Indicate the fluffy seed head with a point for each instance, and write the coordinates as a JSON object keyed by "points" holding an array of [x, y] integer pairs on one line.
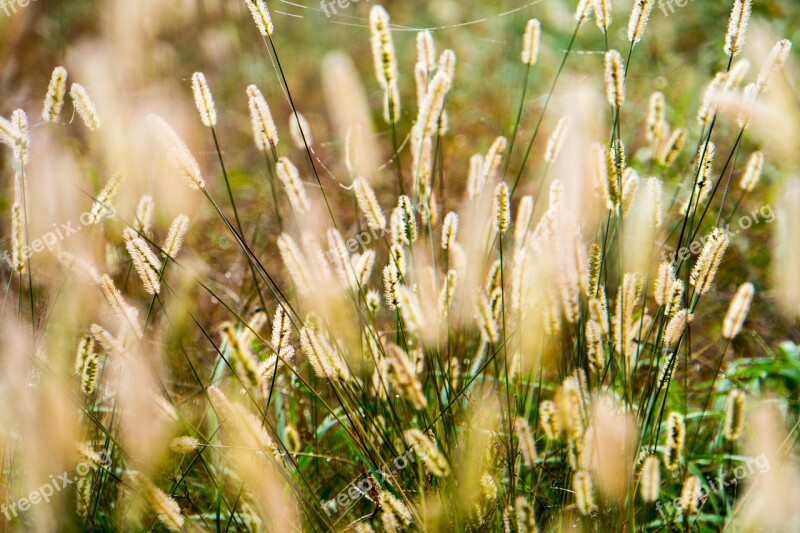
{"points": [[707, 264], [672, 149], [602, 14], [144, 260], [502, 208], [663, 285], [204, 100], [184, 445], [650, 480], [174, 240], [691, 494], [179, 155], [584, 492], [527, 446], [737, 311], [265, 133], [549, 419], [675, 328], [639, 17], [774, 63], [449, 230], [369, 205], [615, 78], [734, 415], [54, 100], [258, 9], [84, 106], [385, 61], [530, 42], [737, 27], [295, 190], [676, 437], [752, 173]]}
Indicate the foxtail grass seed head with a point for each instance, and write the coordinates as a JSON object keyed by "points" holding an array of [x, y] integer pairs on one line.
{"points": [[427, 450], [583, 10], [655, 195], [595, 262], [630, 184], [243, 358], [322, 357], [662, 290], [493, 159], [737, 311], [265, 133], [595, 346], [383, 54], [676, 298], [752, 173], [179, 155], [707, 264], [711, 99], [281, 329], [446, 293], [615, 78], [426, 51], [656, 121], [523, 513], [174, 240], [126, 314], [56, 91], [432, 106], [449, 230], [675, 328], [410, 309], [650, 480], [736, 75], [166, 508], [84, 106], [404, 377], [475, 180], [737, 27], [734, 415], [397, 257], [258, 9], [184, 445], [584, 492], [774, 63], [527, 446], [672, 149], [144, 260], [300, 131], [143, 222], [391, 282], [502, 208], [204, 100], [295, 263], [103, 204], [18, 237], [408, 219], [549, 419], [89, 371], [691, 494], [530, 42], [486, 319], [639, 17], [369, 205], [295, 190], [602, 14], [676, 437], [556, 140]]}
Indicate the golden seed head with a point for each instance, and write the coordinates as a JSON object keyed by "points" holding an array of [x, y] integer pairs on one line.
{"points": [[54, 100], [449, 230], [650, 479], [737, 27], [530, 42], [676, 437], [774, 63], [639, 17], [602, 14], [369, 205], [84, 106], [707, 264], [549, 419], [385, 61], [752, 173], [734, 415], [258, 9], [184, 445], [737, 311], [295, 190], [502, 208], [691, 494], [615, 78], [265, 133], [204, 100], [174, 240], [584, 492]]}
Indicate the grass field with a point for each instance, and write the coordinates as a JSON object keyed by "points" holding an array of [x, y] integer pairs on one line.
{"points": [[426, 266]]}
